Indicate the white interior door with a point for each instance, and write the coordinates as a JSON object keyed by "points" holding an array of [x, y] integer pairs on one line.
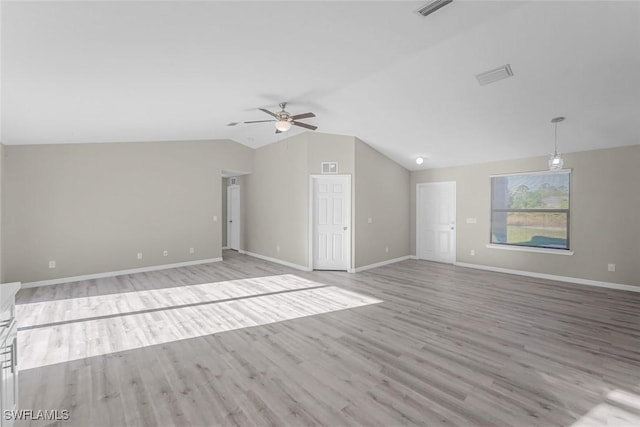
{"points": [[331, 222], [233, 217], [436, 221]]}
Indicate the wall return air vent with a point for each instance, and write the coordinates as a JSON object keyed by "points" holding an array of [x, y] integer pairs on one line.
{"points": [[329, 167], [494, 75], [432, 6]]}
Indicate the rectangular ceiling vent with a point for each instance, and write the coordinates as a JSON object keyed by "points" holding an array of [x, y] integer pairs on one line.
{"points": [[494, 75], [431, 7]]}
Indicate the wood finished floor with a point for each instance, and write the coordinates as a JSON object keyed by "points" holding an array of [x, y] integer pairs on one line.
{"points": [[447, 346]]}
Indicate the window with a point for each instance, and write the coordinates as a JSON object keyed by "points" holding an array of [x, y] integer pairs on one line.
{"points": [[531, 209]]}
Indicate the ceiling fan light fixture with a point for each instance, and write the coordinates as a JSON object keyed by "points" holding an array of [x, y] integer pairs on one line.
{"points": [[283, 125], [556, 162], [420, 160]]}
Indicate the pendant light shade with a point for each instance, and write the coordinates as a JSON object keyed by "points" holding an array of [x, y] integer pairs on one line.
{"points": [[555, 160]]}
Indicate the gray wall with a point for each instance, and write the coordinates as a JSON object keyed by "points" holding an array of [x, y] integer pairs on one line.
{"points": [[382, 194], [278, 198], [277, 192], [92, 207], [275, 201], [605, 202]]}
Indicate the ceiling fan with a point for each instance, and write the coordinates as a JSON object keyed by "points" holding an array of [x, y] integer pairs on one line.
{"points": [[285, 120]]}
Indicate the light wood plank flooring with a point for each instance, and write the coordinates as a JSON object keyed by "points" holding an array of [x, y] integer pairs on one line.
{"points": [[60, 331], [446, 346]]}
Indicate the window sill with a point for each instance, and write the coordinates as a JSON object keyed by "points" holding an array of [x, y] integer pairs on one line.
{"points": [[529, 249]]}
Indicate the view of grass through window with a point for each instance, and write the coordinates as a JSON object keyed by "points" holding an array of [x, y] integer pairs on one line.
{"points": [[531, 209]]}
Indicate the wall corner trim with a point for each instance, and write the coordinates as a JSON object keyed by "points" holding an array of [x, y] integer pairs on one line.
{"points": [[379, 264], [116, 273], [275, 260], [576, 280]]}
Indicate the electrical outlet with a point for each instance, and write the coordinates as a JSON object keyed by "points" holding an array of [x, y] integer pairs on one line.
{"points": [[165, 253], [52, 264], [386, 249], [192, 250], [278, 248], [139, 255], [215, 218], [369, 220], [611, 267], [472, 252]]}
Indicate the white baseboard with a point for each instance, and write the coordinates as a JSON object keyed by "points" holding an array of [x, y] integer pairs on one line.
{"points": [[116, 273], [225, 247], [275, 260], [577, 280], [379, 264]]}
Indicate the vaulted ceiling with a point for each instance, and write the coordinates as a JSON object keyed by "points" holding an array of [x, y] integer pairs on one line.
{"points": [[77, 72]]}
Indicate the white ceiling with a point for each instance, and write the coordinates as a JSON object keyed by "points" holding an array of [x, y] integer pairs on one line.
{"points": [[145, 71]]}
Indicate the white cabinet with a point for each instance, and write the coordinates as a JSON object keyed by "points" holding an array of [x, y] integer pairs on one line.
{"points": [[8, 354], [8, 360]]}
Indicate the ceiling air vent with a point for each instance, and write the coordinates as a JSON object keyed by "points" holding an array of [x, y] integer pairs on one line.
{"points": [[494, 75], [431, 7]]}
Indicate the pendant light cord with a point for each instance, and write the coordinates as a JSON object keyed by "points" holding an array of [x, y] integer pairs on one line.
{"points": [[555, 144]]}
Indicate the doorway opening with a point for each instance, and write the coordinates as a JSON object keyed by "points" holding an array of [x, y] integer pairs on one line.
{"points": [[231, 221]]}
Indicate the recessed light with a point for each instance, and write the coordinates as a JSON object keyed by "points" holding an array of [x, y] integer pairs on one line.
{"points": [[420, 160]]}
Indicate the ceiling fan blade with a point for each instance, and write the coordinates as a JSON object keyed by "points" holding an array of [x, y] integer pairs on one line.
{"points": [[278, 131], [269, 112], [304, 125], [260, 121], [302, 116]]}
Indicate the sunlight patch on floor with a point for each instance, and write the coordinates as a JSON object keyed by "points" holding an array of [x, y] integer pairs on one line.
{"points": [[86, 337], [46, 312], [621, 409]]}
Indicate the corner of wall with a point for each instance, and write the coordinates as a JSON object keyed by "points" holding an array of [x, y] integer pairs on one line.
{"points": [[600, 233], [381, 207]]}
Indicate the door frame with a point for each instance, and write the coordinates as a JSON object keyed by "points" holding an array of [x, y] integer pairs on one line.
{"points": [[229, 189], [311, 207], [455, 198]]}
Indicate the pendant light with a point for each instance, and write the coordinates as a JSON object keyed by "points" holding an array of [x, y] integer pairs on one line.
{"points": [[555, 160]]}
